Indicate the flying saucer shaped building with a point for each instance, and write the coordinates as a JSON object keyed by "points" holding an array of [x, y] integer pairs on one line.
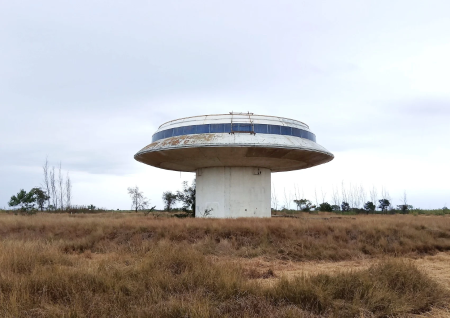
{"points": [[233, 156]]}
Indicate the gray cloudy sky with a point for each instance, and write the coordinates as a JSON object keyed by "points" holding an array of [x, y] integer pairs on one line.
{"points": [[88, 82]]}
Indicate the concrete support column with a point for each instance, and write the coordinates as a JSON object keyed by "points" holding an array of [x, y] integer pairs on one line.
{"points": [[233, 192]]}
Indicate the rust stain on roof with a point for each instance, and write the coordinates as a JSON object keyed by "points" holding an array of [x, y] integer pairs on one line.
{"points": [[180, 140]]}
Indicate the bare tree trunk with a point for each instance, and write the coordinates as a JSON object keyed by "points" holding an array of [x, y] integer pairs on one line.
{"points": [[373, 195], [356, 197], [350, 196], [344, 193], [335, 196], [315, 196], [296, 194], [362, 194], [287, 200], [324, 195], [53, 188], [136, 198], [61, 188], [385, 195], [46, 180], [68, 191], [274, 198]]}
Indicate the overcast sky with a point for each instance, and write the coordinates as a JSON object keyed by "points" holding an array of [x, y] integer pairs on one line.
{"points": [[87, 83]]}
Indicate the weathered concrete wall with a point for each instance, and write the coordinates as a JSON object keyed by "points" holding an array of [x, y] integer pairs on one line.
{"points": [[233, 192]]}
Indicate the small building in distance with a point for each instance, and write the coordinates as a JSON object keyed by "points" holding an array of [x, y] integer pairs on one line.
{"points": [[233, 156]]}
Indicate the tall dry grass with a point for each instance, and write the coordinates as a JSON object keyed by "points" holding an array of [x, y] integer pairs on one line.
{"points": [[116, 265], [172, 279], [288, 239]]}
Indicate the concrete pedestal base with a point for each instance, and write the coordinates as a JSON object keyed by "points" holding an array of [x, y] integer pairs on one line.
{"points": [[233, 192]]}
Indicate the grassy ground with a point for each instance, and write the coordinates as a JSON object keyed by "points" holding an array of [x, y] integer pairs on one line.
{"points": [[129, 265]]}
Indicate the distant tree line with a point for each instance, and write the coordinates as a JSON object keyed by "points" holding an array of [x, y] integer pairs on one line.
{"points": [[351, 199], [186, 197], [54, 194]]}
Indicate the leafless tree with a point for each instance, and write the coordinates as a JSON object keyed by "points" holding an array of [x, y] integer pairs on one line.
{"points": [[68, 191], [58, 188], [315, 196], [287, 200], [53, 187], [138, 200], [324, 195], [362, 195], [344, 193], [296, 192], [335, 196], [351, 196], [385, 195], [373, 193], [298, 195], [274, 198], [61, 188], [359, 196], [46, 180]]}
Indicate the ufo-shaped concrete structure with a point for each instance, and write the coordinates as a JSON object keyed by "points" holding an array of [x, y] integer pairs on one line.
{"points": [[233, 156]]}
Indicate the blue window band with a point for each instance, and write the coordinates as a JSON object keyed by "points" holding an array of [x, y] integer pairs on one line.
{"points": [[237, 128]]}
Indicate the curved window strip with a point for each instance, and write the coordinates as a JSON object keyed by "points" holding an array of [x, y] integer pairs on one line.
{"points": [[234, 128]]}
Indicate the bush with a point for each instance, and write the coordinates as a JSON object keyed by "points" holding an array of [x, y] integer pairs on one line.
{"points": [[325, 207], [385, 289]]}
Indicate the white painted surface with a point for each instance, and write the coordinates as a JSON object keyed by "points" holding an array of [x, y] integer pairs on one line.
{"points": [[228, 184], [228, 118], [274, 152], [233, 192]]}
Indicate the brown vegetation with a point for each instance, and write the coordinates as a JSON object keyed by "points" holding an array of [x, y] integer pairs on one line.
{"points": [[114, 265], [317, 238]]}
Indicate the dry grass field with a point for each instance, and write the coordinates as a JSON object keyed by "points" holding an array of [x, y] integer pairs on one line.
{"points": [[131, 265]]}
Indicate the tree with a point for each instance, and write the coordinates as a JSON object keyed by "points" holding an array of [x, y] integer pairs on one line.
{"points": [[303, 205], [335, 207], [68, 191], [40, 197], [384, 204], [345, 207], [404, 208], [187, 197], [325, 207], [274, 201], [53, 188], [169, 199], [46, 181], [369, 207], [138, 200], [61, 188], [24, 199], [58, 188]]}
